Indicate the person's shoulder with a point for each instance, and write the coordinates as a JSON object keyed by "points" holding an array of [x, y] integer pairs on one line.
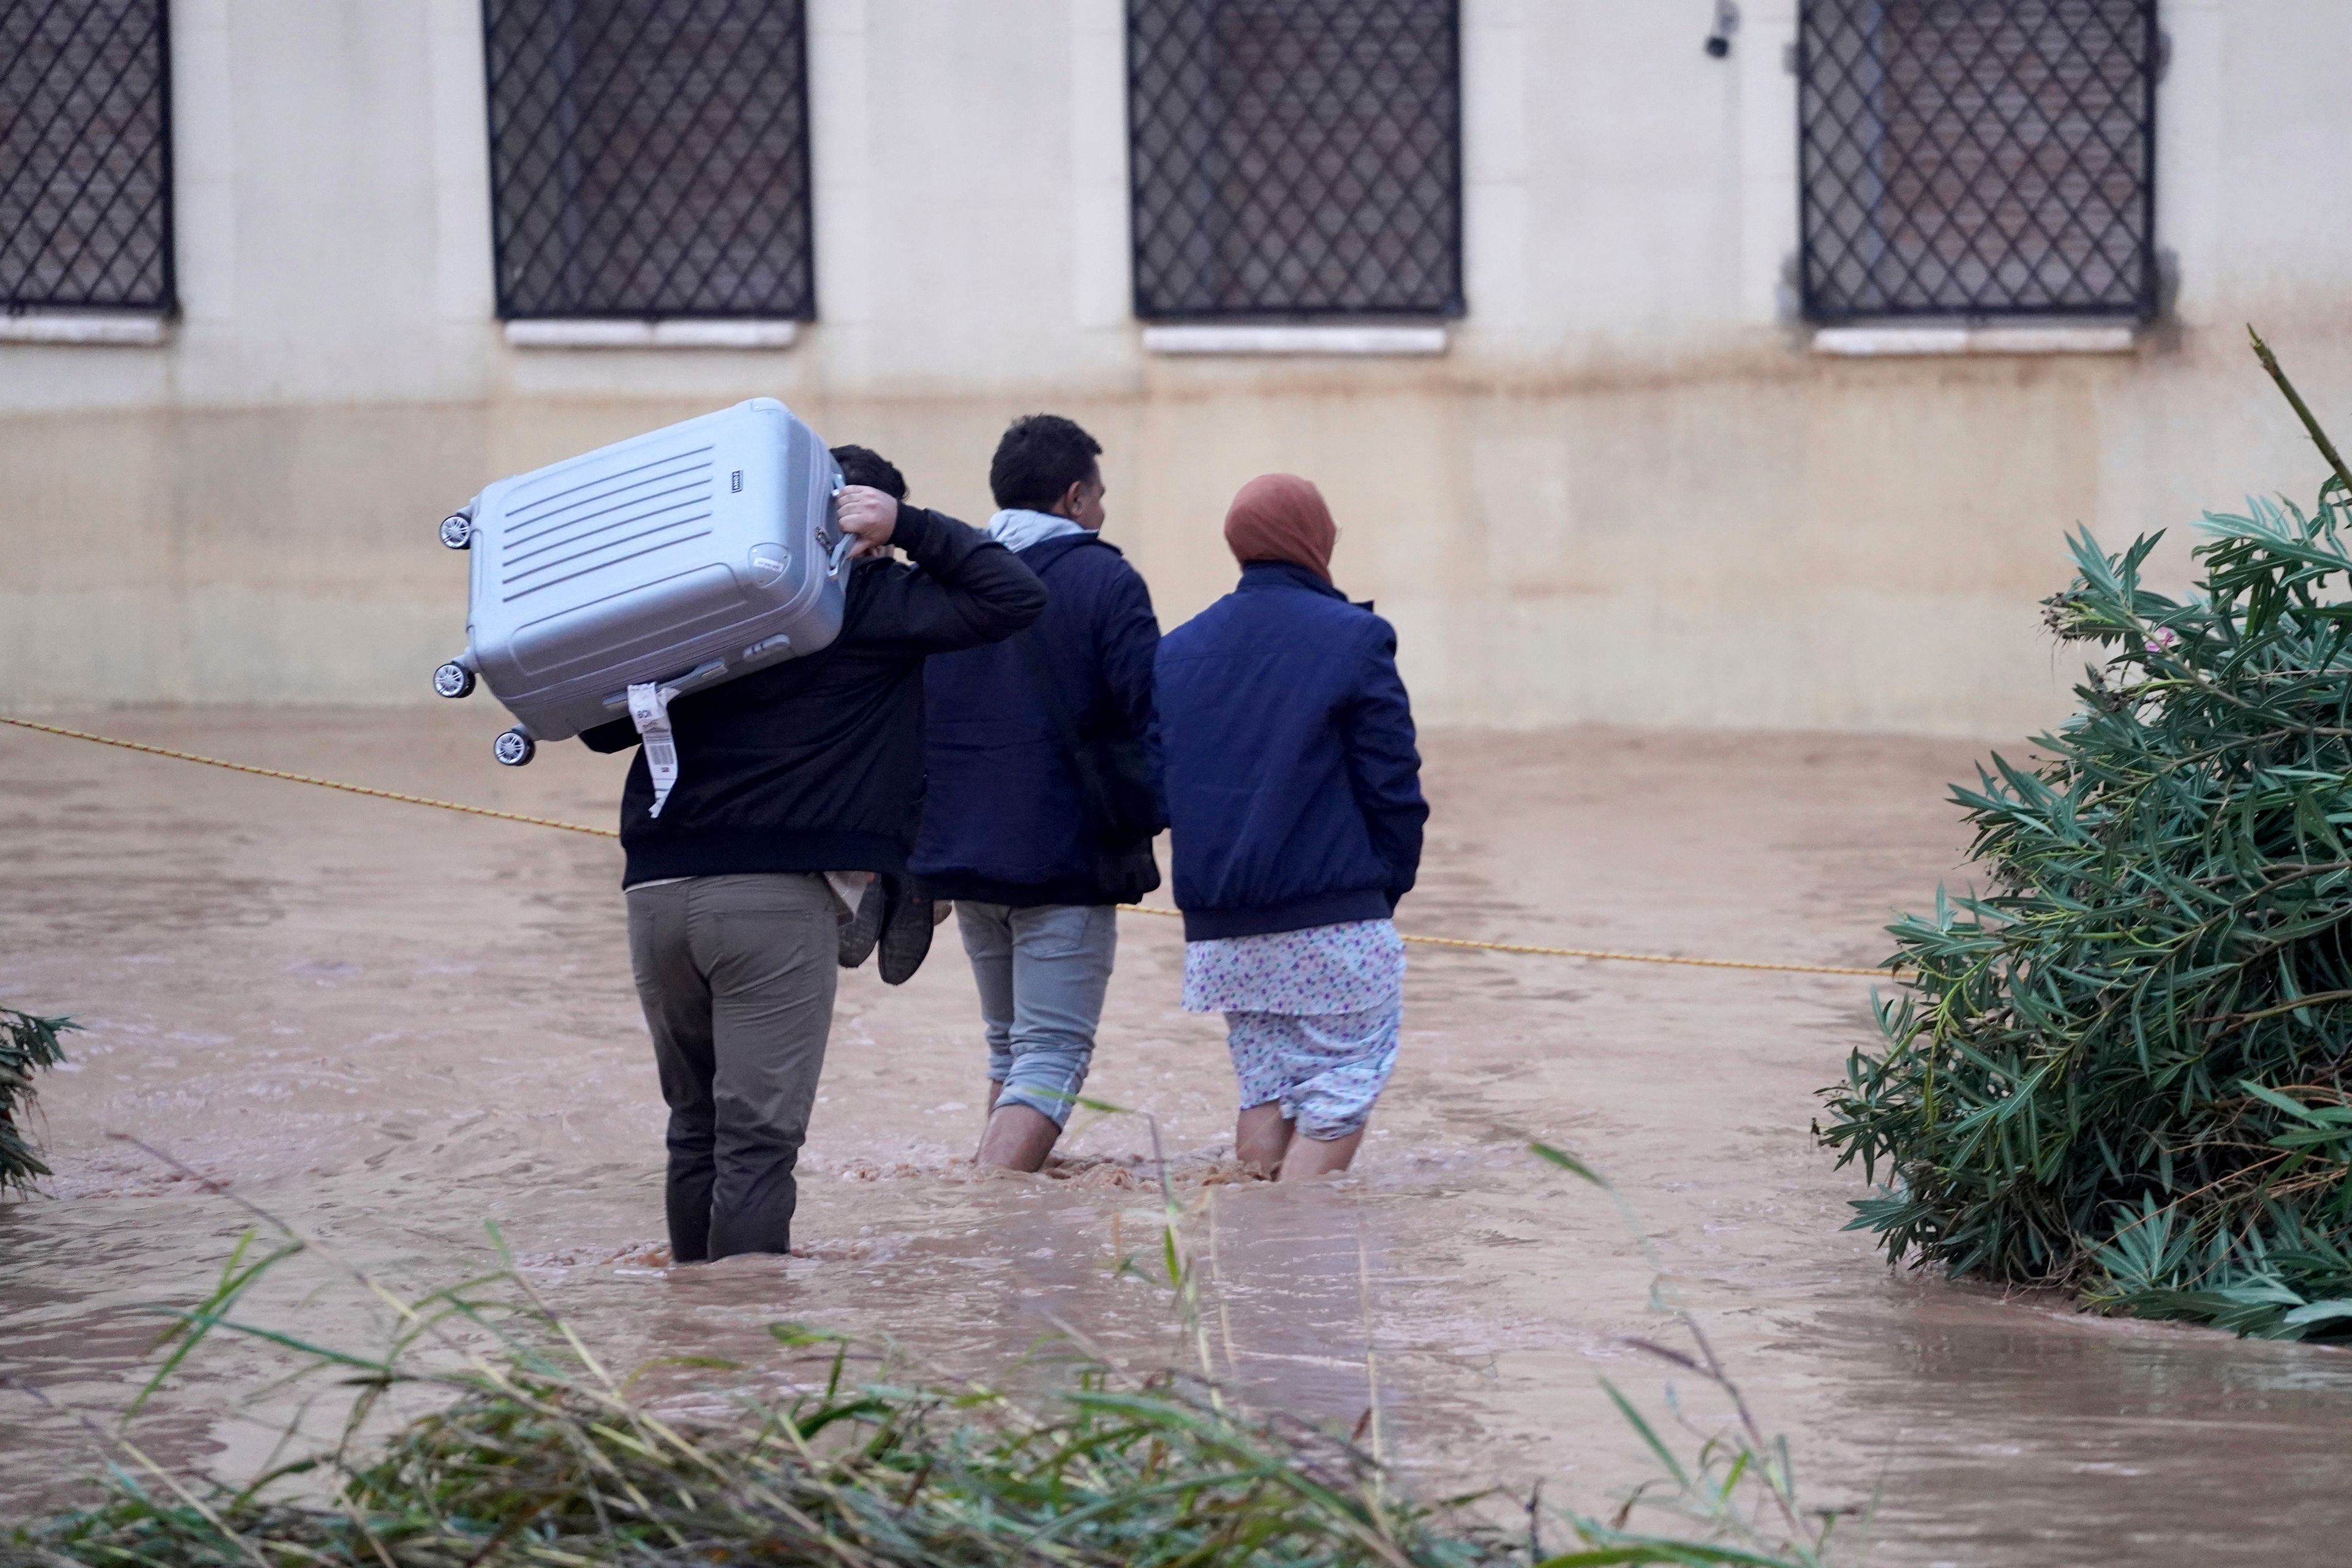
{"points": [[877, 572], [1334, 625], [1096, 557], [1369, 623], [1119, 581], [1364, 640], [1086, 579], [1191, 635], [1330, 609], [870, 580]]}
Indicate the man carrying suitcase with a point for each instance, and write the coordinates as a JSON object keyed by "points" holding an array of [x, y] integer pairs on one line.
{"points": [[1044, 795], [811, 766]]}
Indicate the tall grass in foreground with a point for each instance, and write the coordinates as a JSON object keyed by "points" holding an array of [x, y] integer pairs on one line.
{"points": [[839, 1456], [2127, 1069], [28, 1044]]}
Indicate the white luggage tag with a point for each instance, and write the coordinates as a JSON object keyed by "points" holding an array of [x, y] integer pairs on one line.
{"points": [[649, 708]]}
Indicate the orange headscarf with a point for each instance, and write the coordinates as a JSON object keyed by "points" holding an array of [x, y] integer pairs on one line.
{"points": [[1281, 517]]}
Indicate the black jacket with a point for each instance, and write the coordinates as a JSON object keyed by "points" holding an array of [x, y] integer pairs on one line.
{"points": [[1006, 822], [817, 764]]}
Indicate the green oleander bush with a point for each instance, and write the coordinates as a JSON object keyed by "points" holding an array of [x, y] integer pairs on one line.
{"points": [[28, 1044], [2122, 1066]]}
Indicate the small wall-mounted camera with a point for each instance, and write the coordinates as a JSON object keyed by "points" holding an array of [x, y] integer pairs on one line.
{"points": [[1726, 22]]}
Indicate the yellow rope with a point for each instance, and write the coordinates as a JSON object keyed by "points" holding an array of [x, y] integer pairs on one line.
{"points": [[305, 778], [1593, 952], [1590, 953]]}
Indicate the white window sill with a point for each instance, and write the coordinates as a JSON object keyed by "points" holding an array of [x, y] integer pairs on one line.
{"points": [[97, 329], [1294, 339], [1896, 342], [597, 333]]}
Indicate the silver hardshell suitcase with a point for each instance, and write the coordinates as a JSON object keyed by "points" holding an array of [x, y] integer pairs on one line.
{"points": [[663, 563]]}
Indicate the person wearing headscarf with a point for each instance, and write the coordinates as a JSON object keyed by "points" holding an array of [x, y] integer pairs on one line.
{"points": [[1296, 813]]}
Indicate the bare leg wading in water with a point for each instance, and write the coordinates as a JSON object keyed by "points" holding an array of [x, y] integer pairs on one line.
{"points": [[1308, 1083], [1042, 976], [1270, 1147]]}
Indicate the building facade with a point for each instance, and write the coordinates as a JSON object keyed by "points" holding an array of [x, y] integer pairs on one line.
{"points": [[1665, 362]]}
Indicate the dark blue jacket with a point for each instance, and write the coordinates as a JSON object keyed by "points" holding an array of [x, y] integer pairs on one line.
{"points": [[1003, 818], [1293, 790]]}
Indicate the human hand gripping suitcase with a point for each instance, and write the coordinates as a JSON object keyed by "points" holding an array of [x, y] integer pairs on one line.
{"points": [[607, 584]]}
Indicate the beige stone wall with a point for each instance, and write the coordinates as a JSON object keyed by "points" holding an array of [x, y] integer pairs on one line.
{"points": [[1627, 492]]}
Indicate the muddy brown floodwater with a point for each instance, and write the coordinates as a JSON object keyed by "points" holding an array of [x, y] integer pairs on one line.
{"points": [[390, 1026]]}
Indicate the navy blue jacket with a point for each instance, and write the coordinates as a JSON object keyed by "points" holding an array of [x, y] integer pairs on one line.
{"points": [[1003, 821], [1294, 789]]}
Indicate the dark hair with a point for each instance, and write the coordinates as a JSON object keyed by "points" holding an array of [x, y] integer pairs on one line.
{"points": [[1040, 456], [865, 466]]}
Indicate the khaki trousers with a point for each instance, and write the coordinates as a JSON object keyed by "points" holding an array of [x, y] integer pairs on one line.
{"points": [[736, 976]]}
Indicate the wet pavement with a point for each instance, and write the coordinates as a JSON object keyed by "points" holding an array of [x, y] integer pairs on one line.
{"points": [[393, 1026]]}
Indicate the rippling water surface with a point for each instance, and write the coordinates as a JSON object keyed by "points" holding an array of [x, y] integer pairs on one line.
{"points": [[390, 1026]]}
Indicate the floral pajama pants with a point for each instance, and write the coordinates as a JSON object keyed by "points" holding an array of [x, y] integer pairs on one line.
{"points": [[1326, 1069], [1311, 1017]]}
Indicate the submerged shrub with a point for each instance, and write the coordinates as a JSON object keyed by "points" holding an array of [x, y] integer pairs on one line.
{"points": [[2124, 1068], [540, 1470], [28, 1044], [536, 1458]]}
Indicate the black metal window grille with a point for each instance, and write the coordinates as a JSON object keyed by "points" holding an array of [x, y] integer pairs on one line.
{"points": [[85, 156], [1977, 157], [1295, 157], [650, 158]]}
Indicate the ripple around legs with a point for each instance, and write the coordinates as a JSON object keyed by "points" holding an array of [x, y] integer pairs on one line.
{"points": [[393, 1025]]}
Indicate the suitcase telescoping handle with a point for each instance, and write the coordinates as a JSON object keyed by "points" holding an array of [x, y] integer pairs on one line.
{"points": [[846, 543], [695, 679], [671, 686]]}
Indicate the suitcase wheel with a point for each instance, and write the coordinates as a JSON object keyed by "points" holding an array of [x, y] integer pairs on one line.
{"points": [[457, 531], [454, 679], [513, 747]]}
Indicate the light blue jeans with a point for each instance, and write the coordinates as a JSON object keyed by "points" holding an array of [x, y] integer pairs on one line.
{"points": [[1041, 974]]}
